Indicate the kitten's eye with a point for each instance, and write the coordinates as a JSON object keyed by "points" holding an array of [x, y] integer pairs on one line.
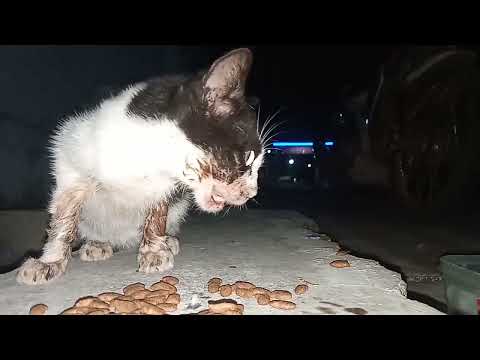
{"points": [[250, 156]]}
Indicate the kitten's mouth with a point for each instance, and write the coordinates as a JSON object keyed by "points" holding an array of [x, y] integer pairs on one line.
{"points": [[216, 203]]}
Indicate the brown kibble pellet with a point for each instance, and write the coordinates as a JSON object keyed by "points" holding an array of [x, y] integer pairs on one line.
{"points": [[225, 290], [262, 299], [99, 304], [148, 309], [215, 281], [301, 289], [122, 306], [244, 293], [157, 293], [156, 299], [281, 295], [340, 264], [140, 294], [162, 285], [99, 312], [244, 285], [39, 309], [259, 290], [85, 301], [173, 299], [213, 287], [77, 311], [168, 307], [221, 306], [232, 312], [283, 305], [172, 280], [108, 296], [130, 289]]}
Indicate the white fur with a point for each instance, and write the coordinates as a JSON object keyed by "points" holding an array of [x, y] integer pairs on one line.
{"points": [[135, 163]]}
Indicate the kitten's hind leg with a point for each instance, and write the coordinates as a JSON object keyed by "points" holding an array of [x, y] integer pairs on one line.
{"points": [[65, 209], [157, 249], [95, 251]]}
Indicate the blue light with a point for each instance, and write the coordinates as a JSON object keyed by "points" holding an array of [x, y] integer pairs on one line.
{"points": [[329, 143], [292, 144]]}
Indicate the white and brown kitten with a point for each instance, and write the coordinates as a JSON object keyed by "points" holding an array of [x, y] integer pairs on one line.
{"points": [[126, 172]]}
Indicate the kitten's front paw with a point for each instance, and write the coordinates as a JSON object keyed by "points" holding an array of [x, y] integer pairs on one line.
{"points": [[95, 251], [157, 255], [173, 244], [36, 272], [158, 261]]}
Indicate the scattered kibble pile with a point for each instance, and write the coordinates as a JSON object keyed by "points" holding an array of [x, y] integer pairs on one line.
{"points": [[278, 299], [162, 298]]}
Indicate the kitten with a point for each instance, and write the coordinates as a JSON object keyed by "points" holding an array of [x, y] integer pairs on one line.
{"points": [[127, 171]]}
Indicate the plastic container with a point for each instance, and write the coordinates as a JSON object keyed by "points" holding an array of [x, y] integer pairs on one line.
{"points": [[461, 275]]}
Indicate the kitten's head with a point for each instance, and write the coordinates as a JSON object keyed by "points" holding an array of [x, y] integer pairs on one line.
{"points": [[223, 126]]}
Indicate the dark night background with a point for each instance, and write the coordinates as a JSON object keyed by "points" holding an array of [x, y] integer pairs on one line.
{"points": [[45, 83]]}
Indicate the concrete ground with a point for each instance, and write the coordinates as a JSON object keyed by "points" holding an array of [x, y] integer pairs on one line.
{"points": [[369, 221], [272, 248]]}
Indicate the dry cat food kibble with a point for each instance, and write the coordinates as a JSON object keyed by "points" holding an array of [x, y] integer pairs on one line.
{"points": [[77, 311], [122, 306], [244, 285], [281, 295], [162, 285], [244, 293], [226, 290], [301, 289], [172, 280], [222, 306], [213, 288], [340, 264], [259, 290], [99, 312], [215, 281], [168, 307], [141, 294], [283, 305], [108, 296], [130, 289], [173, 299], [148, 309], [39, 309], [262, 299]]}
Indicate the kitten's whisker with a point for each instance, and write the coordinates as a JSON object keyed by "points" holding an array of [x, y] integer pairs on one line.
{"points": [[253, 199], [269, 119], [258, 118], [271, 137], [271, 129]]}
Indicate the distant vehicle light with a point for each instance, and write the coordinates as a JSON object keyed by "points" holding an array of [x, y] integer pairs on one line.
{"points": [[269, 151], [309, 165], [292, 144], [366, 121], [291, 161], [329, 143]]}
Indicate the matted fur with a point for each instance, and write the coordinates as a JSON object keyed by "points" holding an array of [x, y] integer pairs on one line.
{"points": [[161, 144]]}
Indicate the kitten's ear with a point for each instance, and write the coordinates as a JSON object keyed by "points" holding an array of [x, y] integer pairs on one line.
{"points": [[224, 84]]}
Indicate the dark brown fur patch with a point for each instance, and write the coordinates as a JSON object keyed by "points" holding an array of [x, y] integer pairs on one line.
{"points": [[155, 223]]}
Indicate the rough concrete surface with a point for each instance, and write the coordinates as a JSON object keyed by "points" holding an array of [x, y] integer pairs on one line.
{"points": [[272, 249]]}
